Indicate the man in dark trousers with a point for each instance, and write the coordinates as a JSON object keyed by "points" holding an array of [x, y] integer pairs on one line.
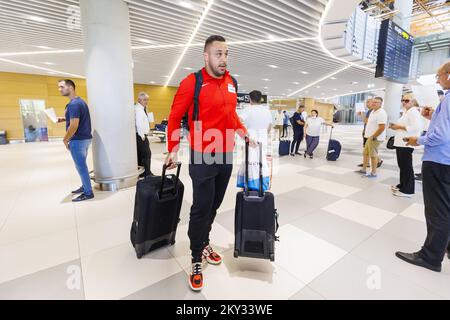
{"points": [[78, 137], [298, 125], [436, 181], [211, 141], [144, 153]]}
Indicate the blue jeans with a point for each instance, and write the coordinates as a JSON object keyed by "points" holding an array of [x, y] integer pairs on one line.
{"points": [[79, 151]]}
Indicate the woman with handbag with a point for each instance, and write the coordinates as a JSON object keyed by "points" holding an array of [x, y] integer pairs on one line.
{"points": [[409, 125]]}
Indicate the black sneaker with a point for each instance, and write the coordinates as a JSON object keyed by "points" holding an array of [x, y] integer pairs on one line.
{"points": [[83, 197], [78, 191], [361, 165]]}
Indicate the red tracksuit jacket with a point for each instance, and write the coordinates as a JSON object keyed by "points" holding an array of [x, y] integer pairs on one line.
{"points": [[217, 114]]}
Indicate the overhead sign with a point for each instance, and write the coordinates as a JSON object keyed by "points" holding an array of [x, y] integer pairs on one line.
{"points": [[394, 53], [245, 98]]}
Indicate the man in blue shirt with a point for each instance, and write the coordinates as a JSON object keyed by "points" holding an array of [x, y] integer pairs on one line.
{"points": [[78, 136], [436, 181], [285, 124], [298, 124]]}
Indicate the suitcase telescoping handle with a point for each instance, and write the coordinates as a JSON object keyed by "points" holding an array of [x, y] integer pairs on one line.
{"points": [[247, 193], [163, 178]]}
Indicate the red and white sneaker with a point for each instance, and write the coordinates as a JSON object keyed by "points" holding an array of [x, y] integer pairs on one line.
{"points": [[196, 277], [211, 256]]}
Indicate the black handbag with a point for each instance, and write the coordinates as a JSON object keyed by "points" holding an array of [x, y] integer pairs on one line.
{"points": [[390, 143]]}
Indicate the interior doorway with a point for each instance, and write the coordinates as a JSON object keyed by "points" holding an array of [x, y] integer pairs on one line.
{"points": [[34, 120]]}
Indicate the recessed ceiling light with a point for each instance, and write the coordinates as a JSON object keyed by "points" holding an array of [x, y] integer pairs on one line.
{"points": [[318, 87], [49, 63], [333, 78], [271, 37], [165, 76], [267, 80], [266, 87], [296, 83], [152, 82], [43, 47], [145, 41], [272, 66], [37, 19], [236, 75], [188, 68], [371, 85], [354, 82], [304, 72], [334, 89], [185, 4]]}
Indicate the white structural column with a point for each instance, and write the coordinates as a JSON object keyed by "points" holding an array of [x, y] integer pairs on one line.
{"points": [[108, 63], [392, 103]]}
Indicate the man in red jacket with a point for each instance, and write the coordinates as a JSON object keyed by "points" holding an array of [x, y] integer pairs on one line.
{"points": [[211, 141]]}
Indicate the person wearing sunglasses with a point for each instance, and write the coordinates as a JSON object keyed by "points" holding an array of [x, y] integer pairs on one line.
{"points": [[408, 125], [436, 181]]}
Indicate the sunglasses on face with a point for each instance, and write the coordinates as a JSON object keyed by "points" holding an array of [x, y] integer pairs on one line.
{"points": [[406, 101]]}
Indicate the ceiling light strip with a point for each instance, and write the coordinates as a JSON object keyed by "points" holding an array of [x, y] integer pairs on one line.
{"points": [[30, 53], [193, 35], [319, 80], [352, 93], [163, 46], [41, 68]]}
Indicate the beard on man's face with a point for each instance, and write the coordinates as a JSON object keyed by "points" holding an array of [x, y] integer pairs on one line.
{"points": [[219, 70]]}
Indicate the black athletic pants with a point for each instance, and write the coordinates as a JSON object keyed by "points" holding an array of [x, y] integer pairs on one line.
{"points": [[209, 184]]}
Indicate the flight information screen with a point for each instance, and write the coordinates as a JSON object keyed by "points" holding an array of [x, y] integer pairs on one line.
{"points": [[394, 53]]}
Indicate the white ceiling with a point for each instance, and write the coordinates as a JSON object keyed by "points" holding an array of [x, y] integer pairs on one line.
{"points": [[165, 22]]}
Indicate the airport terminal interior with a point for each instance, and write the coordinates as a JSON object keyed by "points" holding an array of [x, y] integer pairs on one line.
{"points": [[339, 229]]}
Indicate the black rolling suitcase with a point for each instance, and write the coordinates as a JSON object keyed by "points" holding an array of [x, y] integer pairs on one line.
{"points": [[156, 212], [334, 149], [256, 220]]}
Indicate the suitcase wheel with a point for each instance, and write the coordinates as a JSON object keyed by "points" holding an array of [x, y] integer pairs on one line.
{"points": [[272, 257], [236, 254]]}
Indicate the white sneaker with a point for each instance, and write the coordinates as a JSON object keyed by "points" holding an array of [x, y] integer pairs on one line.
{"points": [[401, 194], [394, 188]]}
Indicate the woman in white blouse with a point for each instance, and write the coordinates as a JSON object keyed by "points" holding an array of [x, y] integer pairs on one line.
{"points": [[312, 128], [409, 125]]}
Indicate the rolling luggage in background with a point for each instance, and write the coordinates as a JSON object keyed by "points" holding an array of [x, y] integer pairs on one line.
{"points": [[334, 149], [284, 148], [256, 220], [156, 212]]}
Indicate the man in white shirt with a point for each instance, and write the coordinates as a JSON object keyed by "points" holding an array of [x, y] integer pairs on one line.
{"points": [[279, 117], [144, 153], [375, 134], [258, 119]]}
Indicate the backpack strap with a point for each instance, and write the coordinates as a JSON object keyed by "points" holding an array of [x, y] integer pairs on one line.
{"points": [[236, 86], [198, 88]]}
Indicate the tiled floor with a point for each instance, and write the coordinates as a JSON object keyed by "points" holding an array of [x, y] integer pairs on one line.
{"points": [[338, 235]]}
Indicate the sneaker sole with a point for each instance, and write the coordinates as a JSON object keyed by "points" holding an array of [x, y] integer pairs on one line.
{"points": [[195, 289], [402, 195]]}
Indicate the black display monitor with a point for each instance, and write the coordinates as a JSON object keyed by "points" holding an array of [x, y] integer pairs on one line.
{"points": [[394, 53]]}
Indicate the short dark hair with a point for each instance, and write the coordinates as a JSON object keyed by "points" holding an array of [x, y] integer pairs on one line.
{"points": [[212, 39], [256, 96], [378, 98], [301, 106], [440, 93], [314, 110], [69, 83]]}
